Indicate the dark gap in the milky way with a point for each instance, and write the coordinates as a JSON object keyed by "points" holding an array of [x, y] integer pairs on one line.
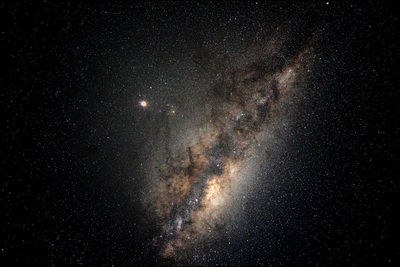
{"points": [[245, 124], [215, 167], [222, 147], [222, 91], [189, 169], [274, 63], [274, 92], [254, 72], [262, 111]]}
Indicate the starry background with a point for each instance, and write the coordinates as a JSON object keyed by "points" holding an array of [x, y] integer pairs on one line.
{"points": [[74, 141]]}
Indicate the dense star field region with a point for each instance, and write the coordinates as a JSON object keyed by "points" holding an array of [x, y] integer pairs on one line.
{"points": [[199, 133]]}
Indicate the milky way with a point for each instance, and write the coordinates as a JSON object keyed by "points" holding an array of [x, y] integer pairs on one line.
{"points": [[200, 133], [195, 183]]}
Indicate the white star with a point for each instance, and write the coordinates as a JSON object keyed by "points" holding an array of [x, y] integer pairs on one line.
{"points": [[143, 103]]}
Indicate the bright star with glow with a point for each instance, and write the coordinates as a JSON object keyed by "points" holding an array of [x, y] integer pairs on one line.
{"points": [[143, 103]]}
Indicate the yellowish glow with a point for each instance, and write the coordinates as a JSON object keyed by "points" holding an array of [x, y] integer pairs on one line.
{"points": [[143, 103]]}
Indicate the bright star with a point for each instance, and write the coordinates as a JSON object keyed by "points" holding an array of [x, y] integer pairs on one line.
{"points": [[143, 103]]}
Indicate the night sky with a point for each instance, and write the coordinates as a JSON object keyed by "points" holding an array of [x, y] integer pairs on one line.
{"points": [[211, 133]]}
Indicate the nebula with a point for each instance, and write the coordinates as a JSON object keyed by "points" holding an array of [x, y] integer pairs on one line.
{"points": [[195, 186]]}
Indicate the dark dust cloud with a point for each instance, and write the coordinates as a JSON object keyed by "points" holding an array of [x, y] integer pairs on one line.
{"points": [[186, 133]]}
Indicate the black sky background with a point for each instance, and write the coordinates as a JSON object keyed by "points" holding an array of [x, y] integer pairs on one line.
{"points": [[64, 197]]}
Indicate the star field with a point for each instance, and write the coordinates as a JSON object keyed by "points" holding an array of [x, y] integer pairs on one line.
{"points": [[199, 133]]}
